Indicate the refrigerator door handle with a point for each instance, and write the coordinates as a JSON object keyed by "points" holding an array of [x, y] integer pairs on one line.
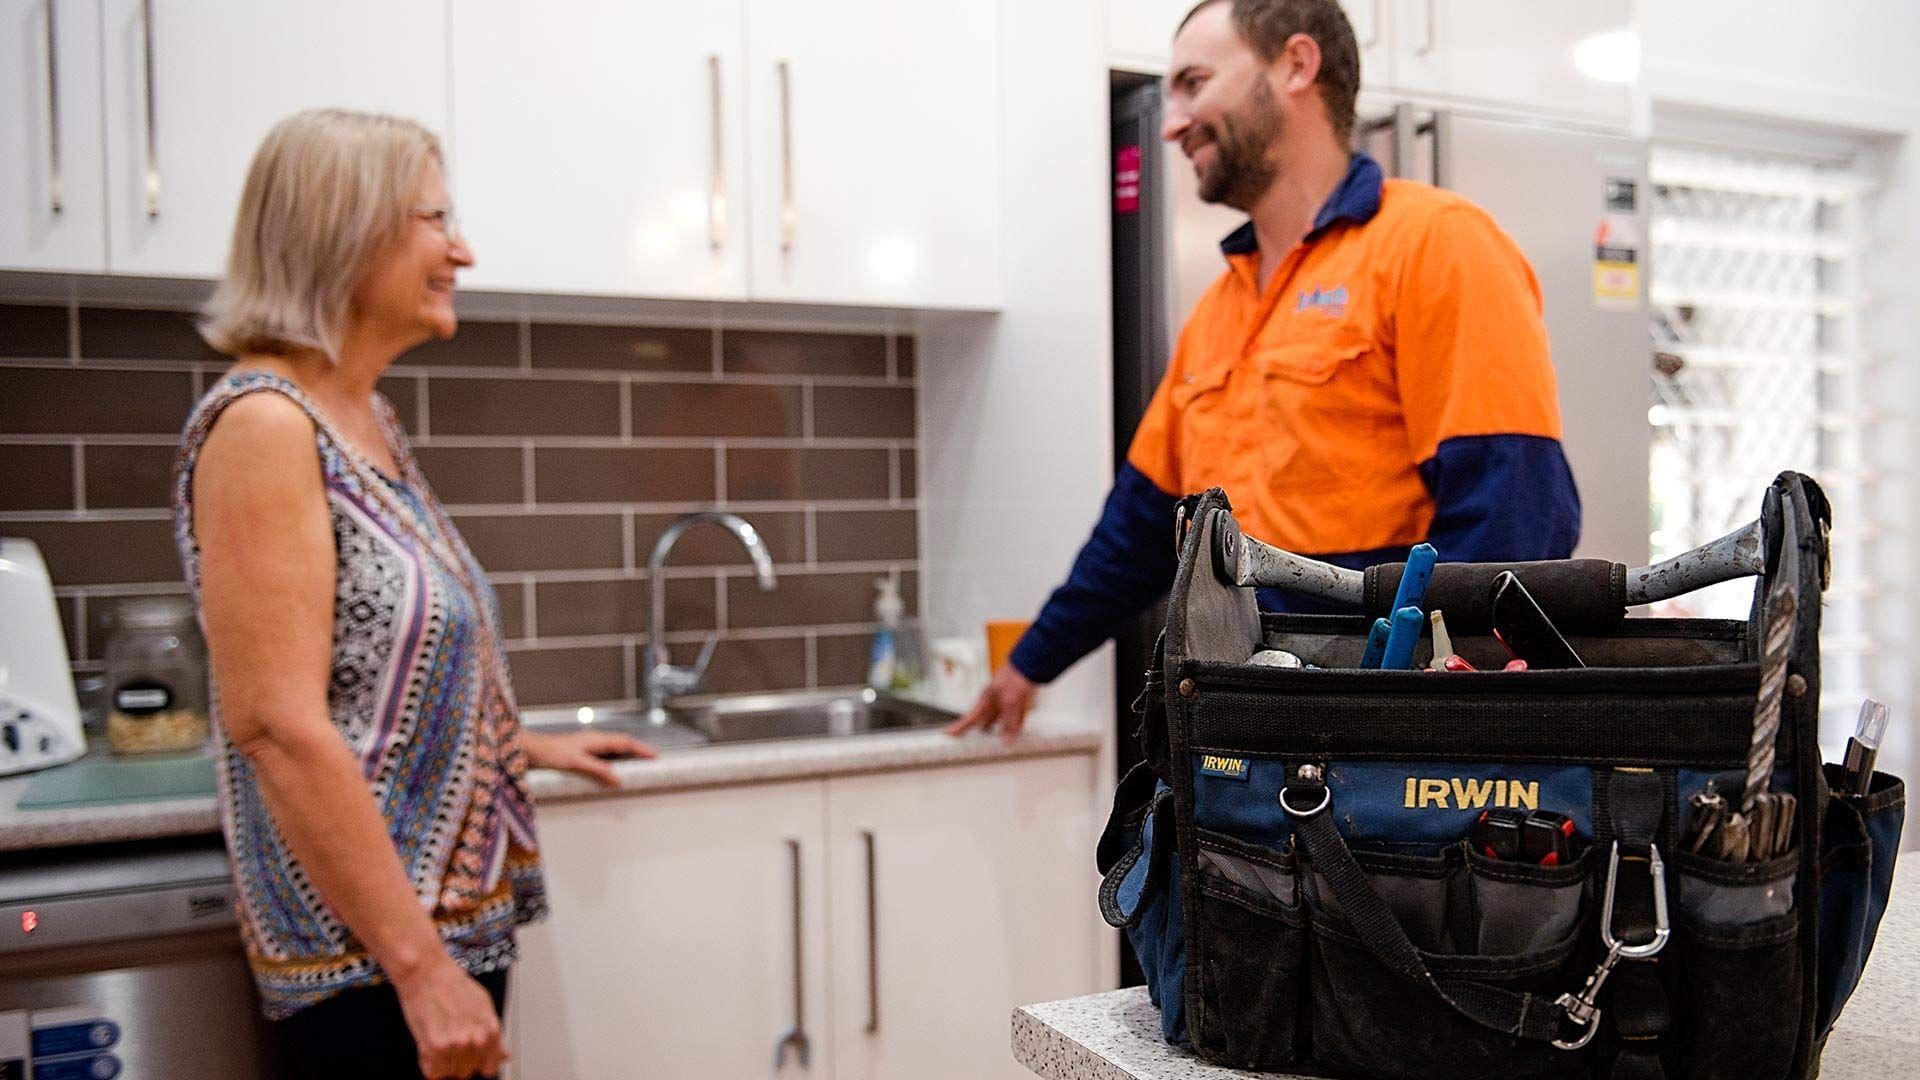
{"points": [[1439, 129]]}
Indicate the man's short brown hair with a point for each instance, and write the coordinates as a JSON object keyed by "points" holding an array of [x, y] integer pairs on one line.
{"points": [[1267, 24]]}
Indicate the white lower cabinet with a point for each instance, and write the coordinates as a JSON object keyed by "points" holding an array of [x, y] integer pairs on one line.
{"points": [[931, 902]]}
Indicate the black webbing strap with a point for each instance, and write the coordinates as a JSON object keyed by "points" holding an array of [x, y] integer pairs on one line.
{"points": [[1636, 801], [1523, 1015]]}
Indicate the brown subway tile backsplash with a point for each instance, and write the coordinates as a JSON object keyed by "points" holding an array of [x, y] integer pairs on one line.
{"points": [[863, 411], [586, 608], [842, 659], [509, 406], [462, 475], [129, 477], [31, 331], [575, 475], [103, 552], [779, 352], [861, 535], [475, 344], [801, 600], [703, 409], [72, 401], [810, 474], [36, 478], [132, 334], [481, 423], [747, 665], [508, 543], [69, 608], [624, 348], [548, 676]]}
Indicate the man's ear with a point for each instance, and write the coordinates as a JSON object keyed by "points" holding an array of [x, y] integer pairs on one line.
{"points": [[1299, 63]]}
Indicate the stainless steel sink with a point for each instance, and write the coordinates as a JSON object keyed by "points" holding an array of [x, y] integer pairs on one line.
{"points": [[755, 718]]}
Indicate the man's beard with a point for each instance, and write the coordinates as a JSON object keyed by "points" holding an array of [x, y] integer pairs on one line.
{"points": [[1241, 172]]}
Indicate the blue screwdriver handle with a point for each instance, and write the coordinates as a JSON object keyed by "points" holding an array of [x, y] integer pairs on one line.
{"points": [[1413, 581], [1376, 644], [1401, 639]]}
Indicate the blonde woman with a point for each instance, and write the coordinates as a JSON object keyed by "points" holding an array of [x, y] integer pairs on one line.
{"points": [[372, 764]]}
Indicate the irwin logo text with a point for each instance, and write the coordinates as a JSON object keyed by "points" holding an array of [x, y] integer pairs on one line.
{"points": [[1233, 768], [1458, 794]]}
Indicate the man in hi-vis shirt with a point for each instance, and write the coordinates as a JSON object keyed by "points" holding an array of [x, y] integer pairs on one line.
{"points": [[1369, 372]]}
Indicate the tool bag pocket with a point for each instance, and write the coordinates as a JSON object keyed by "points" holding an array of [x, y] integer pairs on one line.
{"points": [[1735, 930], [1474, 921], [1251, 949], [1139, 890], [1859, 840]]}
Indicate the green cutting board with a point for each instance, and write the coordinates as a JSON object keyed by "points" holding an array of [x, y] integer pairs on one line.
{"points": [[98, 780]]}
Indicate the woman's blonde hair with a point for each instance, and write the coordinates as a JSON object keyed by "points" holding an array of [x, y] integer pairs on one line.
{"points": [[328, 189]]}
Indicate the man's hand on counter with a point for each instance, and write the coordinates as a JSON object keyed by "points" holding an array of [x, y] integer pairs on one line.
{"points": [[1003, 705], [583, 752]]}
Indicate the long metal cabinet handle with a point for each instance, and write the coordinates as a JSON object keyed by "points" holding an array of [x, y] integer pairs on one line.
{"points": [[1440, 130], [53, 113], [1405, 130], [1427, 46], [786, 155], [1374, 37], [796, 1039], [717, 199], [153, 144], [873, 938]]}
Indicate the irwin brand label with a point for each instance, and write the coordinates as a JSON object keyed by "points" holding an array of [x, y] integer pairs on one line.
{"points": [[1470, 793], [1232, 768]]}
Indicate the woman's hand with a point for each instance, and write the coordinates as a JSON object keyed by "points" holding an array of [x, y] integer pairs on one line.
{"points": [[584, 752], [452, 1020]]}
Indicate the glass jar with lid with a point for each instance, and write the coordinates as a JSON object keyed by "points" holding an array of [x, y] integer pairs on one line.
{"points": [[156, 676]]}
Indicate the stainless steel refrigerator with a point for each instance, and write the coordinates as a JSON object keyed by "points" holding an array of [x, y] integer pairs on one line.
{"points": [[1575, 201]]}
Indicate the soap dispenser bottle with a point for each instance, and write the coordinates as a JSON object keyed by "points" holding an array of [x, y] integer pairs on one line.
{"points": [[883, 662]]}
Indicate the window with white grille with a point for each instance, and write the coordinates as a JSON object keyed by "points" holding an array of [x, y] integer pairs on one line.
{"points": [[1761, 364]]}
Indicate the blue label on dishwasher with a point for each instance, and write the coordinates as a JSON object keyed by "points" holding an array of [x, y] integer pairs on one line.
{"points": [[79, 1037], [91, 1067]]}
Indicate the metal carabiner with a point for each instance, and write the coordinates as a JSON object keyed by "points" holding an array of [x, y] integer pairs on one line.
{"points": [[1661, 930], [1583, 1008]]}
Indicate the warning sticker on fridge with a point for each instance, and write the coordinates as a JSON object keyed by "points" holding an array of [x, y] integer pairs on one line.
{"points": [[1616, 248]]}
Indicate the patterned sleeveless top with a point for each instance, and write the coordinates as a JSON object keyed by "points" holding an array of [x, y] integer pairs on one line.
{"points": [[420, 693]]}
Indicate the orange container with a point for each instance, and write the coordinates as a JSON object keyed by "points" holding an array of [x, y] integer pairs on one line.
{"points": [[1002, 636]]}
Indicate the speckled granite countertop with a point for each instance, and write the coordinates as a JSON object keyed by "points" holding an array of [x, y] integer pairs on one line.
{"points": [[696, 767], [1116, 1035]]}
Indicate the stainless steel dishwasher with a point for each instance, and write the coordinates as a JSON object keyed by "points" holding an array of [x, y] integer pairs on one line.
{"points": [[122, 960]]}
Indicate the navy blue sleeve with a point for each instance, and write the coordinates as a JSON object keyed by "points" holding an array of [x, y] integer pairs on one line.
{"points": [[1126, 565], [1502, 498]]}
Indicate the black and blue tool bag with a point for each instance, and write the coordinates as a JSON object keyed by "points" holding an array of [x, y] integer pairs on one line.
{"points": [[1292, 861]]}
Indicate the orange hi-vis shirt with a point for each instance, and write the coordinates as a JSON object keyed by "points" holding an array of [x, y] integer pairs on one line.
{"points": [[1315, 401], [1390, 385]]}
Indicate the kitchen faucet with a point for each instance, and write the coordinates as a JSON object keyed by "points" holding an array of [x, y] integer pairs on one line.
{"points": [[663, 680]]}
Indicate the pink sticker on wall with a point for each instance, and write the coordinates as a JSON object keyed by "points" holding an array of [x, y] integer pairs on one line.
{"points": [[1126, 181]]}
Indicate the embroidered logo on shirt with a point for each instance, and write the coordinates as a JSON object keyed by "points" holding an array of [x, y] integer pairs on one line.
{"points": [[1332, 302]]}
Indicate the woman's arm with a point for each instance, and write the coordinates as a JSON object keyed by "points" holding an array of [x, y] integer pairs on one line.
{"points": [[267, 587]]}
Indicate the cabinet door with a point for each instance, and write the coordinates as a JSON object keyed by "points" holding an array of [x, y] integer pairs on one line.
{"points": [[193, 85], [875, 148], [670, 950], [599, 146], [50, 160], [977, 896], [1518, 55]]}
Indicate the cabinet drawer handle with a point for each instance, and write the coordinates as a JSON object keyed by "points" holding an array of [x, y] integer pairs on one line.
{"points": [[787, 213], [1427, 45], [717, 199], [53, 113], [796, 1039], [153, 147], [1373, 35], [873, 938]]}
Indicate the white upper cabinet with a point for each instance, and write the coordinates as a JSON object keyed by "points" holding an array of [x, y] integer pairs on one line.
{"points": [[599, 146], [1518, 56], [193, 85], [875, 152], [1140, 34], [50, 160]]}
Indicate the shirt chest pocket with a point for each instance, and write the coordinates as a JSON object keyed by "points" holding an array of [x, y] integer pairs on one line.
{"points": [[1325, 424]]}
